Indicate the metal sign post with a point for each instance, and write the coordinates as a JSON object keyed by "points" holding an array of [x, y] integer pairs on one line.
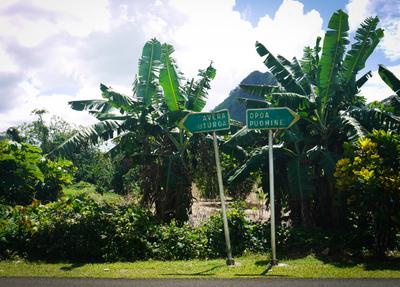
{"points": [[207, 122], [271, 119], [230, 260], [272, 196]]}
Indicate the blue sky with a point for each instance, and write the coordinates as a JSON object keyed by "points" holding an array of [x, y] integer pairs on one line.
{"points": [[253, 10], [52, 52]]}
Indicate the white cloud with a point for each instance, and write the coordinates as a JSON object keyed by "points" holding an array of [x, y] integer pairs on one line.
{"points": [[375, 89], [391, 41], [33, 22], [290, 30], [213, 30], [358, 11], [388, 12], [60, 51], [7, 64]]}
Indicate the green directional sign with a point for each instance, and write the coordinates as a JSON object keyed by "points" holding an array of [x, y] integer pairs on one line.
{"points": [[271, 118], [206, 122]]}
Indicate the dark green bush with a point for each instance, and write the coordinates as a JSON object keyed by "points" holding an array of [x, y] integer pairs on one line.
{"points": [[240, 229], [181, 242], [25, 174], [94, 167], [80, 229]]}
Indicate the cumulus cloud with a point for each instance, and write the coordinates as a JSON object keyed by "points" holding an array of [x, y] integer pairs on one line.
{"points": [[290, 30], [388, 12], [36, 20], [358, 11], [375, 89], [52, 52], [213, 30]]}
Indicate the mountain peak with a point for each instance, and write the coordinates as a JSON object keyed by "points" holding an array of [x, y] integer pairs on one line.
{"points": [[236, 109]]}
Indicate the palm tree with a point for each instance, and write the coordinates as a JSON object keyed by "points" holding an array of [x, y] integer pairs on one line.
{"points": [[145, 128], [323, 89]]}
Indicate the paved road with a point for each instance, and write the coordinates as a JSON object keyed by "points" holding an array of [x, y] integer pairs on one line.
{"points": [[83, 282]]}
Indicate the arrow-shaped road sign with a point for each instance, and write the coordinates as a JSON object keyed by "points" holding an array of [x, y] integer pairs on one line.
{"points": [[206, 122], [271, 118]]}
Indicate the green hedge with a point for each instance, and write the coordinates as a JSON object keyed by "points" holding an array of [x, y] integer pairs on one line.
{"points": [[77, 228]]}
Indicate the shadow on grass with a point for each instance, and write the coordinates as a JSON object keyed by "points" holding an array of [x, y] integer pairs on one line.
{"points": [[201, 273], [72, 266], [340, 261], [369, 264], [265, 263], [259, 275]]}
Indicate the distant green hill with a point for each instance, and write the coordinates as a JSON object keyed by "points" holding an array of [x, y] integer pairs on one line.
{"points": [[236, 109]]}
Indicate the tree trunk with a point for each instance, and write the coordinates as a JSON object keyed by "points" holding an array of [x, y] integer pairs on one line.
{"points": [[174, 199]]}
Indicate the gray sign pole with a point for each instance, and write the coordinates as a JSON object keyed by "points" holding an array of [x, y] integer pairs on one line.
{"points": [[272, 196], [230, 260], [271, 119]]}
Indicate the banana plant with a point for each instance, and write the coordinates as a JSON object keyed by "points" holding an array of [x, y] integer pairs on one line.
{"points": [[323, 88], [392, 102], [144, 127]]}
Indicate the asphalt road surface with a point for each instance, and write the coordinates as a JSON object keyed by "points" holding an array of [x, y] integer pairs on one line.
{"points": [[83, 282]]}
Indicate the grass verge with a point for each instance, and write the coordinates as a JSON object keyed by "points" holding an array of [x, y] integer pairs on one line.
{"points": [[247, 266], [90, 190]]}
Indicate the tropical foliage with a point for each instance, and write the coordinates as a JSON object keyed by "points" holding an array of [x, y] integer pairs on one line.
{"points": [[323, 88], [145, 128], [25, 174], [392, 103], [79, 228], [369, 180], [336, 171]]}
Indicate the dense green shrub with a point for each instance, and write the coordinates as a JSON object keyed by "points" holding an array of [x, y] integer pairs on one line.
{"points": [[78, 228], [181, 242], [240, 229], [369, 180], [25, 174], [94, 167]]}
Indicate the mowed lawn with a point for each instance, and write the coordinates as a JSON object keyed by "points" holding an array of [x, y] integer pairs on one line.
{"points": [[247, 266]]}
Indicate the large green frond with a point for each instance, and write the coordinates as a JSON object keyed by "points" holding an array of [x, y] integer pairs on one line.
{"points": [[281, 74], [392, 103], [367, 38], [113, 115], [301, 78], [350, 127], [297, 73], [372, 119], [91, 105], [197, 92], [244, 138], [119, 101], [257, 159], [170, 80], [325, 158], [361, 81], [292, 100], [104, 130], [147, 86], [390, 79], [310, 61], [335, 41], [258, 90]]}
